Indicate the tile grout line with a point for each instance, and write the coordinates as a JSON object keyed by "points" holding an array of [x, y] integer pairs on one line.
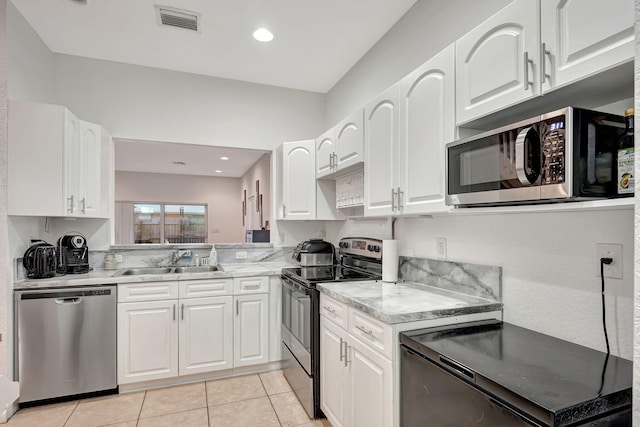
{"points": [[206, 402], [270, 402], [141, 406], [71, 413]]}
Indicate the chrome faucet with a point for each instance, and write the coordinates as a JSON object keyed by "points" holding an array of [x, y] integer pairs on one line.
{"points": [[178, 255]]}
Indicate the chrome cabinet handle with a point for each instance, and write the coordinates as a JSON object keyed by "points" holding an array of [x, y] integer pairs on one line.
{"points": [[527, 61], [393, 200], [174, 312], [346, 354], [330, 161], [329, 309], [70, 204], [400, 204], [543, 66], [237, 308], [364, 330], [284, 211], [182, 312], [83, 202], [335, 160], [341, 355]]}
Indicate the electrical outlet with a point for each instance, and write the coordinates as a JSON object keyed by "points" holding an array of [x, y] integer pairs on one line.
{"points": [[441, 248], [241, 255], [613, 251], [118, 258]]}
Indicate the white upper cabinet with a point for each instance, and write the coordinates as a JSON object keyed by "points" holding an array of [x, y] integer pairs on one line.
{"points": [[496, 62], [325, 153], [59, 158], [582, 37], [298, 180], [340, 149], [427, 109], [381, 139]]}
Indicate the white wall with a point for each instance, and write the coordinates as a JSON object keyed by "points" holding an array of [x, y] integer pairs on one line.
{"points": [[158, 105], [5, 266], [261, 171], [427, 28], [30, 65], [222, 196]]}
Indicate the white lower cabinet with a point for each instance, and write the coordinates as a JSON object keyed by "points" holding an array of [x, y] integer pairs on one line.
{"points": [[206, 339], [356, 382], [168, 329], [147, 341], [251, 336]]}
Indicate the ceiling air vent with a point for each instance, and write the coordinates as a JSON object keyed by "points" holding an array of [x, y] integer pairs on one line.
{"points": [[178, 18]]}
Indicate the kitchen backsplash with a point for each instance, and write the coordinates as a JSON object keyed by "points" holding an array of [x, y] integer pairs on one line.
{"points": [[483, 281]]}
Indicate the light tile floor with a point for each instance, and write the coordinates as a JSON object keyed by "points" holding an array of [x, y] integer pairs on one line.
{"points": [[263, 399]]}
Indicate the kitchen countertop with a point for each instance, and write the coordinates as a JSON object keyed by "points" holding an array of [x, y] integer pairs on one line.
{"points": [[101, 277], [406, 302]]}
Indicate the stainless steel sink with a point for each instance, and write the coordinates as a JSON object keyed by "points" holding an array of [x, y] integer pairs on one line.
{"points": [[145, 270], [194, 269]]}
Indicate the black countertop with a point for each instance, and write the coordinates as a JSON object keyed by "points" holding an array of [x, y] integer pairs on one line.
{"points": [[565, 381]]}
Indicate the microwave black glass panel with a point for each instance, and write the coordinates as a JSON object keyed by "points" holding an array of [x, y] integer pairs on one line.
{"points": [[553, 136], [492, 163]]}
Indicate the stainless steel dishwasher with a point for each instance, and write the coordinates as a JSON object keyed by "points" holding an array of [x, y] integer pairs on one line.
{"points": [[65, 341]]}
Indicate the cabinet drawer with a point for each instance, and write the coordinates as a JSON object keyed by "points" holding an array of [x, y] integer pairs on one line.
{"points": [[205, 288], [335, 310], [153, 291], [371, 331], [250, 285]]}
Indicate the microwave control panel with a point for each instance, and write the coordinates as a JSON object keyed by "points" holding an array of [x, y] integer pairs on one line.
{"points": [[552, 132]]}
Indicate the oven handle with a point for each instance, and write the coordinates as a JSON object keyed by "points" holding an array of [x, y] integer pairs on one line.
{"points": [[294, 286]]}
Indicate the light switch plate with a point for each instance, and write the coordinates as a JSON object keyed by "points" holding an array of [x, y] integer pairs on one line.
{"points": [[241, 255], [441, 248]]}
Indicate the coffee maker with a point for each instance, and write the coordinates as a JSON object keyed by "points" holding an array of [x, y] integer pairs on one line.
{"points": [[73, 254]]}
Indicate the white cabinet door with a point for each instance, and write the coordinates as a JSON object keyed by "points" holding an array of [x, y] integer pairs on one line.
{"points": [[72, 155], [206, 334], [496, 62], [350, 140], [251, 333], [299, 180], [147, 341], [381, 140], [370, 387], [582, 37], [333, 372], [88, 169], [427, 109], [325, 153]]}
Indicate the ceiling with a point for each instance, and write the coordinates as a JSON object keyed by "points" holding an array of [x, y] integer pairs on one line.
{"points": [[135, 156], [316, 42]]}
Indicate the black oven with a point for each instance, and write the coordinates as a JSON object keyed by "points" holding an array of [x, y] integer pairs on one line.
{"points": [[360, 259]]}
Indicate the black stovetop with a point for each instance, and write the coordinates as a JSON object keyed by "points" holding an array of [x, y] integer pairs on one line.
{"points": [[327, 273], [554, 374]]}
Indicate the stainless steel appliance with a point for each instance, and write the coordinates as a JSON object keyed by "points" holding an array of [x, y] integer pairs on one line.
{"points": [[568, 154], [73, 254], [360, 259], [65, 341], [40, 260], [490, 373], [314, 252]]}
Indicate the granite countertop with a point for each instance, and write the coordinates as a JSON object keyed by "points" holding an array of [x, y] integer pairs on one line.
{"points": [[406, 302], [101, 277]]}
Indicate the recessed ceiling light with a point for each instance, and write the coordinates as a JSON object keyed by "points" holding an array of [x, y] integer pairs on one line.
{"points": [[218, 171], [224, 158], [263, 35], [179, 163], [79, 2]]}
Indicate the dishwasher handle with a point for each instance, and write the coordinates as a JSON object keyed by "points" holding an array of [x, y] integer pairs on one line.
{"points": [[67, 293], [71, 300]]}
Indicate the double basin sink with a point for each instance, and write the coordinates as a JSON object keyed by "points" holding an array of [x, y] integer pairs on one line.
{"points": [[168, 270]]}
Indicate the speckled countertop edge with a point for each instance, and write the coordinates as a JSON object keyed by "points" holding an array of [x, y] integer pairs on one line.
{"points": [[480, 306], [107, 277]]}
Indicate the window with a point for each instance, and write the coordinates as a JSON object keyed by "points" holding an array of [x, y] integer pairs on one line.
{"points": [[171, 223]]}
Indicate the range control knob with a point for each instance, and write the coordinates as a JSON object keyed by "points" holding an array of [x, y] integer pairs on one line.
{"points": [[376, 248], [370, 248]]}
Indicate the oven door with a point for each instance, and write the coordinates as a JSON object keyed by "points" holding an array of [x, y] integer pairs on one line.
{"points": [[297, 318], [500, 166]]}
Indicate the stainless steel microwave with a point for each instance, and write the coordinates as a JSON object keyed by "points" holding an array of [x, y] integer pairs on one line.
{"points": [[568, 154]]}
